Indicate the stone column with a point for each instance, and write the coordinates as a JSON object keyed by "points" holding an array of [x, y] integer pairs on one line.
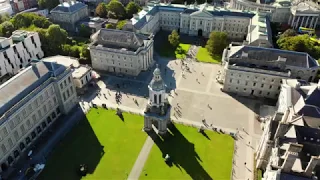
{"points": [[315, 23], [311, 23], [298, 22], [290, 19], [147, 124], [302, 22], [306, 24], [293, 19], [196, 25]]}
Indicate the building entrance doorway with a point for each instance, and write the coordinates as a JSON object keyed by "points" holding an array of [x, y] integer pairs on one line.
{"points": [[4, 166], [200, 32]]}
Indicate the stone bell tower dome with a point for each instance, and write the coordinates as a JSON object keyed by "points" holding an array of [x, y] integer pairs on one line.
{"points": [[157, 89]]}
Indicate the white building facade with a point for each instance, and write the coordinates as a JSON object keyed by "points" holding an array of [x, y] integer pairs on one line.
{"points": [[196, 20], [29, 103], [17, 52], [257, 71], [121, 52]]}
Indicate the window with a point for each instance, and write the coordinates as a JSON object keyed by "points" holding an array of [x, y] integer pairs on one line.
{"points": [[4, 131], [69, 79], [28, 140], [34, 118], [64, 97], [49, 119], [16, 135], [260, 92], [61, 86], [268, 93], [33, 135], [254, 84], [53, 114], [39, 129], [71, 90], [45, 108], [39, 113], [270, 86], [44, 124], [238, 81], [28, 123], [155, 99], [262, 85], [246, 83], [54, 100], [58, 110], [22, 128], [10, 142], [3, 148]]}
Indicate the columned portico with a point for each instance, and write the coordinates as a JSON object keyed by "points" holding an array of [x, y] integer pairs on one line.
{"points": [[296, 21]]}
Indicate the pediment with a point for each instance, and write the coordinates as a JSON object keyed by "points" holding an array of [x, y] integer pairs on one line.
{"points": [[202, 13]]}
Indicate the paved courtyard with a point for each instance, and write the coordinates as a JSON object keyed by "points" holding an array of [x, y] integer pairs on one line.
{"points": [[199, 97]]}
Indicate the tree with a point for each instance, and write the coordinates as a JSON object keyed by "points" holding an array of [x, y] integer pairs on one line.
{"points": [[288, 33], [132, 8], [110, 26], [101, 10], [48, 4], [56, 37], [121, 24], [6, 28], [117, 8], [25, 20], [4, 17], [85, 53], [174, 38], [41, 22], [84, 31], [217, 42]]}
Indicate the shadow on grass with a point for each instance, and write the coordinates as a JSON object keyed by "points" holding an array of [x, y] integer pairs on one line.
{"points": [[181, 151], [80, 146]]}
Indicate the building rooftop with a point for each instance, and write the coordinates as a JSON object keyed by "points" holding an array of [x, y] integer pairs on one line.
{"points": [[269, 57], [80, 72], [69, 7], [66, 61], [20, 85], [118, 39]]}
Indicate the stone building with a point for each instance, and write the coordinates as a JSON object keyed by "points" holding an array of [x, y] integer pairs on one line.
{"points": [[67, 14], [122, 52], [157, 112], [200, 20], [257, 71], [30, 102], [17, 52], [289, 147], [294, 13]]}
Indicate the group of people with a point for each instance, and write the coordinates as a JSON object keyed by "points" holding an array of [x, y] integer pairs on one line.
{"points": [[118, 97]]}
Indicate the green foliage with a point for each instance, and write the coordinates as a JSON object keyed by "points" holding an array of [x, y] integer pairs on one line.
{"points": [[110, 26], [173, 38], [101, 10], [84, 31], [4, 17], [217, 42], [48, 4], [288, 33], [117, 10], [27, 19], [6, 28], [55, 37], [85, 53], [132, 8], [121, 24]]}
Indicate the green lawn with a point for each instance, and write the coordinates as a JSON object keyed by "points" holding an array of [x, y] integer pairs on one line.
{"points": [[193, 155], [179, 53], [204, 56], [108, 145]]}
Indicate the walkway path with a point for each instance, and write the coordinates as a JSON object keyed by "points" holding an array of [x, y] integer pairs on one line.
{"points": [[141, 160]]}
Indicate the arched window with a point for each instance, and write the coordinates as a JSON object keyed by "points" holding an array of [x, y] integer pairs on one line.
{"points": [[10, 159], [16, 153], [159, 98], [22, 146], [155, 98]]}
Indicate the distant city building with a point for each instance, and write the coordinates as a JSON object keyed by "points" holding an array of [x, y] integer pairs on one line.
{"points": [[5, 7], [67, 14], [81, 74], [289, 146], [295, 13], [17, 52], [94, 23], [30, 102], [21, 5], [41, 12], [200, 20], [121, 52], [258, 71]]}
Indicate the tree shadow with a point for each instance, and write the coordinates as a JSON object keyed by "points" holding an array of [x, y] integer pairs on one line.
{"points": [[182, 152], [205, 135], [79, 146]]}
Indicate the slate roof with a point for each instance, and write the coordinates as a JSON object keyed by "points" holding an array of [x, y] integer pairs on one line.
{"points": [[69, 7], [308, 105], [113, 38], [20, 85], [298, 59]]}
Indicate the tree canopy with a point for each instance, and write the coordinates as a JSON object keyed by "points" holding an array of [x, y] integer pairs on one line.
{"points": [[110, 26], [117, 9], [132, 8], [101, 10], [6, 28], [84, 31], [57, 37], [121, 24], [25, 20], [174, 38], [48, 4], [217, 42]]}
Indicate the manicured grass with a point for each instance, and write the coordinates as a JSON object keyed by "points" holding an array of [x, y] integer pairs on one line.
{"points": [[108, 145], [179, 53], [193, 156], [204, 56]]}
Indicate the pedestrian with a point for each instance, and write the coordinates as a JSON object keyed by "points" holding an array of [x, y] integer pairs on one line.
{"points": [[245, 163]]}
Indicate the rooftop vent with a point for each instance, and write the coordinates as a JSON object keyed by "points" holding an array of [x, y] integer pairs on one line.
{"points": [[244, 54], [281, 59]]}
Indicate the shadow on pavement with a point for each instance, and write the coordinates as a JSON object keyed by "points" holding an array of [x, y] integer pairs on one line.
{"points": [[182, 152], [79, 146]]}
